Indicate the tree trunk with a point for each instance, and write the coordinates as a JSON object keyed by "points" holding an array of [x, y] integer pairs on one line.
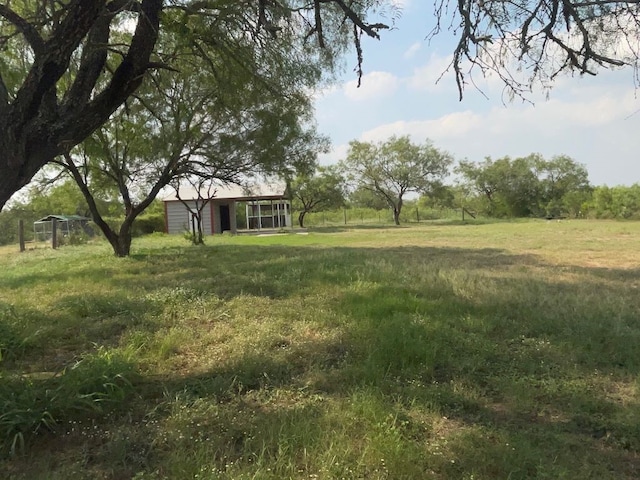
{"points": [[121, 241], [39, 124], [397, 208], [122, 244], [199, 238], [301, 218]]}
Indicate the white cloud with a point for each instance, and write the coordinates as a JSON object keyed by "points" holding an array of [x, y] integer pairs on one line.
{"points": [[598, 130], [412, 50], [454, 125], [433, 76], [402, 4], [373, 85], [339, 152], [547, 119]]}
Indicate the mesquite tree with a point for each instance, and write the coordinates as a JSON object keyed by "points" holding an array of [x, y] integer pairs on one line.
{"points": [[315, 191], [209, 125], [55, 87], [393, 168], [66, 67]]}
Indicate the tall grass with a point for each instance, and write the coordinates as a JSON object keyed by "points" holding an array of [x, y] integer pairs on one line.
{"points": [[35, 402], [504, 350]]}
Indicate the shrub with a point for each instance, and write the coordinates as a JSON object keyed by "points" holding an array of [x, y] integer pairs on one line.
{"points": [[149, 223]]}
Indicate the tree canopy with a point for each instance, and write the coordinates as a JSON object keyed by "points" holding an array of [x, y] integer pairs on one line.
{"points": [[533, 41], [527, 186], [320, 190], [393, 168]]}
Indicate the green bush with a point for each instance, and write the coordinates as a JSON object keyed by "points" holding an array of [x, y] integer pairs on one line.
{"points": [[9, 219], [146, 224]]}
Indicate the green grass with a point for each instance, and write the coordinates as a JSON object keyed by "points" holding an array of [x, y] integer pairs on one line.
{"points": [[440, 350]]}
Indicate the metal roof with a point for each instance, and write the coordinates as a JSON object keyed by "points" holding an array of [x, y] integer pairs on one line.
{"points": [[264, 191], [63, 218]]}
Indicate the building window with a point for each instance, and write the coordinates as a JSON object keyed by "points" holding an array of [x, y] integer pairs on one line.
{"points": [[268, 214]]}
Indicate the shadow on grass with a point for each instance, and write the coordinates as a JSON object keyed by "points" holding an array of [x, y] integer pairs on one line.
{"points": [[451, 363], [268, 414], [277, 271]]}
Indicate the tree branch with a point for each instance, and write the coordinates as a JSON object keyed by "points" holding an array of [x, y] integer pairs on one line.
{"points": [[125, 80], [370, 30], [30, 33], [92, 62]]}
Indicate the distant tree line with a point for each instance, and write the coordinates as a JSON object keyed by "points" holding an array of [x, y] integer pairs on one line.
{"points": [[617, 203], [533, 186], [614, 202], [529, 186], [379, 177], [376, 177]]}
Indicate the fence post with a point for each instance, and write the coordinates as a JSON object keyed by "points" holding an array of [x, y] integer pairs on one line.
{"points": [[345, 216], [54, 234], [417, 215], [21, 234]]}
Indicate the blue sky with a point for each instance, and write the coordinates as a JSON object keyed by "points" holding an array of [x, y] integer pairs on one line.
{"points": [[594, 120]]}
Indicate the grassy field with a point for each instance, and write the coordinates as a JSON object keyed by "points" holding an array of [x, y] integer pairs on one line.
{"points": [[438, 351]]}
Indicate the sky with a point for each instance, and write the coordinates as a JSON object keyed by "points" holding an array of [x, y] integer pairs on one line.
{"points": [[594, 120]]}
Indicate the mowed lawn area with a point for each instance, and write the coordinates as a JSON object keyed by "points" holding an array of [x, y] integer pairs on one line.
{"points": [[436, 351]]}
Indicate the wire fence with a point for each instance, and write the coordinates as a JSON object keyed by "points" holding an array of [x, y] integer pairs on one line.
{"points": [[369, 216]]}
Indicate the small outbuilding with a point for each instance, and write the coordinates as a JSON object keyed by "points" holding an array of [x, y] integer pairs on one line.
{"points": [[65, 225], [266, 206]]}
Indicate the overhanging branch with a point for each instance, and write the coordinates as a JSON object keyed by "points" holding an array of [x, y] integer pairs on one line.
{"points": [[27, 29]]}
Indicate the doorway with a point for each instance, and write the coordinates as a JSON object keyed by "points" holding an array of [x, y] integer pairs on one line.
{"points": [[225, 218]]}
